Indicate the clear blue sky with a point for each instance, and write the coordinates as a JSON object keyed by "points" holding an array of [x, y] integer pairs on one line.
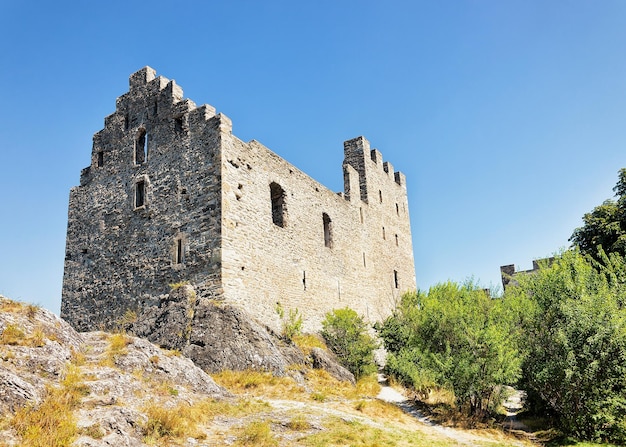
{"points": [[507, 117]]}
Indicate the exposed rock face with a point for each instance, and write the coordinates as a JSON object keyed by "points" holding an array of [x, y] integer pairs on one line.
{"points": [[215, 336], [324, 360], [37, 349]]}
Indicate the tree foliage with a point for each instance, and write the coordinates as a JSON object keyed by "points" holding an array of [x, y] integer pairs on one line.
{"points": [[346, 334], [605, 226], [575, 343], [455, 337]]}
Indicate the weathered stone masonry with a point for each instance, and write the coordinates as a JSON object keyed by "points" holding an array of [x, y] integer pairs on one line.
{"points": [[171, 195]]}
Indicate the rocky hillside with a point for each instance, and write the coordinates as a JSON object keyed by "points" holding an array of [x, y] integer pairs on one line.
{"points": [[96, 389]]}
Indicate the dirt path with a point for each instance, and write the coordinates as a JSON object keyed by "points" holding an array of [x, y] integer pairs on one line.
{"points": [[391, 395]]}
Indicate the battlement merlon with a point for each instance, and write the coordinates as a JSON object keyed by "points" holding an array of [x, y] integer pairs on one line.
{"points": [[141, 77], [357, 154]]}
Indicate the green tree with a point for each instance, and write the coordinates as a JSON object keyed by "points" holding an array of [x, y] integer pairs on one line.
{"points": [[346, 334], [455, 337], [575, 359], [605, 226]]}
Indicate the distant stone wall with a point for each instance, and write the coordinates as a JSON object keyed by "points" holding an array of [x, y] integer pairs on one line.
{"points": [[171, 195], [509, 272]]}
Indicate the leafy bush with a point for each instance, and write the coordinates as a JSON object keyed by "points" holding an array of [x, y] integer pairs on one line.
{"points": [[575, 362], [346, 335], [454, 337]]}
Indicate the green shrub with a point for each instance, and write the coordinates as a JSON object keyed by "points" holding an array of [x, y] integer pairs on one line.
{"points": [[346, 335], [575, 359], [454, 337]]}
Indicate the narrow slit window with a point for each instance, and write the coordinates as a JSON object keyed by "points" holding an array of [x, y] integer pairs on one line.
{"points": [[304, 280], [395, 278], [396, 240], [179, 252], [328, 231], [364, 265], [361, 213], [380, 196], [126, 122], [384, 233], [140, 193], [277, 195], [141, 147], [397, 210], [100, 159]]}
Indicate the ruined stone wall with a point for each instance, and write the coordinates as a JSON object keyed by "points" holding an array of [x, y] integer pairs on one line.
{"points": [[121, 254], [296, 264], [194, 204]]}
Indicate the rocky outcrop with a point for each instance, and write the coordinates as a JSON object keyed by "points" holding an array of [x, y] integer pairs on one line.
{"points": [[325, 360], [214, 335], [120, 375]]}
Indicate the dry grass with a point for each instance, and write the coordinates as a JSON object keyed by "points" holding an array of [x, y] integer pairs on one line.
{"points": [[12, 335], [11, 306], [117, 347], [306, 342], [256, 433], [341, 432], [259, 383], [186, 420], [299, 423], [52, 423]]}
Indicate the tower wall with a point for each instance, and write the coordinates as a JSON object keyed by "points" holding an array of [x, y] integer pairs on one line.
{"points": [[122, 255]]}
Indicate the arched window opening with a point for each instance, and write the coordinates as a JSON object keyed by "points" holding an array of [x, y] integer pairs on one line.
{"points": [[277, 195], [141, 147], [328, 230]]}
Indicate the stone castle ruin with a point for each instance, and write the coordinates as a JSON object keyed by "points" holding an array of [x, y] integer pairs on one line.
{"points": [[172, 196]]}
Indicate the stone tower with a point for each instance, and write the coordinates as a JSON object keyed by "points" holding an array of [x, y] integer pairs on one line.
{"points": [[171, 195]]}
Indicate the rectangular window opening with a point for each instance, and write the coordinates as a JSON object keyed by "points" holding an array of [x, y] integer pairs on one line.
{"points": [[328, 231], [141, 147], [178, 124], [100, 159], [140, 193]]}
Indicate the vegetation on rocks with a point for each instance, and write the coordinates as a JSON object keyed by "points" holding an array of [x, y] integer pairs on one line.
{"points": [[98, 389]]}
